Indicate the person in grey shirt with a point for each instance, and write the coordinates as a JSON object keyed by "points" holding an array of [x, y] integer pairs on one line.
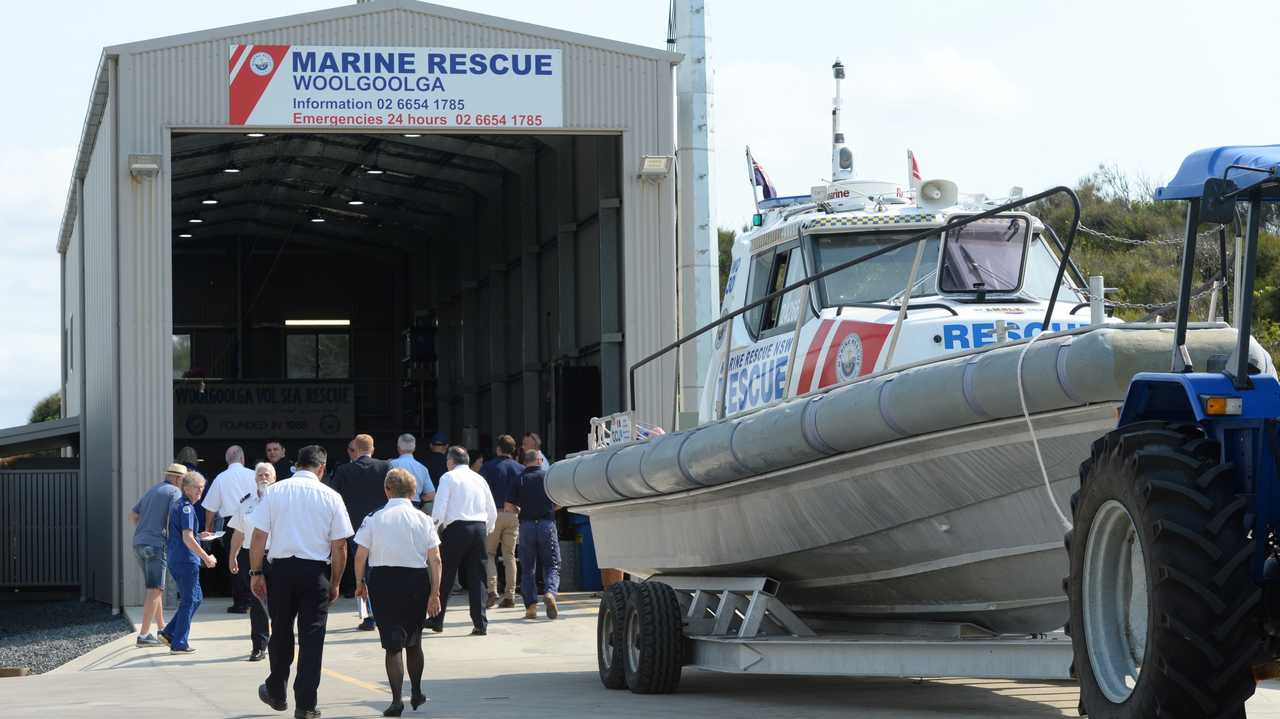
{"points": [[150, 517]]}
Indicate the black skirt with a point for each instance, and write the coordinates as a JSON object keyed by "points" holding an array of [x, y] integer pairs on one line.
{"points": [[399, 597]]}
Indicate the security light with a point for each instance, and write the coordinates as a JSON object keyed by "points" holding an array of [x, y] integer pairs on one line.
{"points": [[655, 166], [144, 165]]}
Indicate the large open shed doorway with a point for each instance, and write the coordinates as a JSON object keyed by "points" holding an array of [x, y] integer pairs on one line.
{"points": [[326, 284]]}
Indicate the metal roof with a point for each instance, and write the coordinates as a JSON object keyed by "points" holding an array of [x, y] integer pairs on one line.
{"points": [[41, 435], [99, 93]]}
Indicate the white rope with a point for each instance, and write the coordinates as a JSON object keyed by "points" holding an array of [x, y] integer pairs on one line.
{"points": [[1026, 415]]}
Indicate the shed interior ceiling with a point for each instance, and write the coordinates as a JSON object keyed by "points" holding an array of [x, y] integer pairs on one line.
{"points": [[505, 248]]}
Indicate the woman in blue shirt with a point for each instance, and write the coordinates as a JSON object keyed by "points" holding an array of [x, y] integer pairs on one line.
{"points": [[185, 555]]}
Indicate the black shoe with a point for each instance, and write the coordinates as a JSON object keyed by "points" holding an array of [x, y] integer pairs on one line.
{"points": [[436, 627], [479, 632], [417, 700], [368, 625], [237, 609], [306, 714], [264, 694], [257, 655], [394, 710]]}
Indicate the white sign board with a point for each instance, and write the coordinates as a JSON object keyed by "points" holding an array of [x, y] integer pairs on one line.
{"points": [[395, 87]]}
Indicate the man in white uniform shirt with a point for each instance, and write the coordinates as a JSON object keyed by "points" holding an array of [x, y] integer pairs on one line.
{"points": [[229, 488], [308, 527], [242, 522], [465, 513]]}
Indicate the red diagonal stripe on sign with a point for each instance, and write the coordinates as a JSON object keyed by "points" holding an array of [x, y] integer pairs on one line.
{"points": [[236, 51], [811, 355], [872, 335], [247, 86]]}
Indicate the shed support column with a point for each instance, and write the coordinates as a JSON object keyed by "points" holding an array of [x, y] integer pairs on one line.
{"points": [[612, 359], [496, 321], [530, 298]]}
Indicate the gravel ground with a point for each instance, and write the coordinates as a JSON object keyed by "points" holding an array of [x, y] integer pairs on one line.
{"points": [[45, 635]]}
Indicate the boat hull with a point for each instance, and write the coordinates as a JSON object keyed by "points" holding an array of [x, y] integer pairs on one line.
{"points": [[951, 526]]}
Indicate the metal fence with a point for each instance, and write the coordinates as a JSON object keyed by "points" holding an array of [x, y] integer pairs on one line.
{"points": [[39, 528]]}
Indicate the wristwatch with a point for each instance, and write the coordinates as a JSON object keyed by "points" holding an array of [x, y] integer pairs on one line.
{"points": [[255, 572]]}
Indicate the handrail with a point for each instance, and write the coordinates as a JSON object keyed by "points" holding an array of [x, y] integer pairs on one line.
{"points": [[805, 282]]}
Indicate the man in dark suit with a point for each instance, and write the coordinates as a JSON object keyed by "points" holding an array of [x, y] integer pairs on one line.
{"points": [[276, 456], [359, 482]]}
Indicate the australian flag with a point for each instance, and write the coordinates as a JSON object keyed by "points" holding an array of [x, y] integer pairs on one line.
{"points": [[759, 178]]}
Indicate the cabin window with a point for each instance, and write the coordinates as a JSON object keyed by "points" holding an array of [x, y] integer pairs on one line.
{"points": [[761, 265], [781, 312], [1042, 269], [984, 256], [876, 280]]}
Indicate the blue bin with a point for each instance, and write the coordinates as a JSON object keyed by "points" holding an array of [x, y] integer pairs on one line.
{"points": [[588, 568]]}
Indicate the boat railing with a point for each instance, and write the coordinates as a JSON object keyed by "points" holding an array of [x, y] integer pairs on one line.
{"points": [[806, 283]]}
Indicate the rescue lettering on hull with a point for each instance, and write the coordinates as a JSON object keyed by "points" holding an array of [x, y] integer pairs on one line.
{"points": [[758, 375], [963, 336]]}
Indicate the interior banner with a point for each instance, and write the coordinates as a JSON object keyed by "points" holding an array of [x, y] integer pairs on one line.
{"points": [[234, 410], [395, 87]]}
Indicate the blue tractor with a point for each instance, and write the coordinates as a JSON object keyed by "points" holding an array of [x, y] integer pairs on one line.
{"points": [[1175, 569]]}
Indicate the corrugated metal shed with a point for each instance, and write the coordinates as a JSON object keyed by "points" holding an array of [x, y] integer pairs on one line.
{"points": [[146, 90]]}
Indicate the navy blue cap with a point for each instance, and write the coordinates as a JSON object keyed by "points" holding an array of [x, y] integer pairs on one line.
{"points": [[439, 438]]}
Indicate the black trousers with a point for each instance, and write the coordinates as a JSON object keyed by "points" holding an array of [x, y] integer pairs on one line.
{"points": [[240, 594], [462, 549], [259, 624], [297, 589]]}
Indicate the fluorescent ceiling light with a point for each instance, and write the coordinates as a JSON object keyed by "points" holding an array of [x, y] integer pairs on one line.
{"points": [[255, 134], [373, 171], [231, 169], [195, 220], [412, 134], [185, 235], [355, 202], [317, 218], [210, 200], [317, 323]]}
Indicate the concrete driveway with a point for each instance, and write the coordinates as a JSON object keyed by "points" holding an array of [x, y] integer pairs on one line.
{"points": [[524, 670]]}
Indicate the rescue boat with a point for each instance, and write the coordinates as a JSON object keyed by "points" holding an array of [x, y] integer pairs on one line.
{"points": [[896, 439]]}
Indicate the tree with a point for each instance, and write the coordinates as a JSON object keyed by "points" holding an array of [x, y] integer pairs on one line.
{"points": [[725, 236], [47, 409]]}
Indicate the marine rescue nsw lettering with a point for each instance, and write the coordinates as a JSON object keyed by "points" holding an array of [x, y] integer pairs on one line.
{"points": [[980, 334]]}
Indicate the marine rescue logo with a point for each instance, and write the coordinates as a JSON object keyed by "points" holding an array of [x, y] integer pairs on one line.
{"points": [[849, 357], [262, 64]]}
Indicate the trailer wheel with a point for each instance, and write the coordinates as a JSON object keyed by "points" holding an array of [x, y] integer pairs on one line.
{"points": [[1164, 611], [655, 639], [611, 634]]}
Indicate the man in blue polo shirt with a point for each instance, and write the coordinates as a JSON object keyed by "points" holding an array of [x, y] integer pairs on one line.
{"points": [[539, 540], [151, 519]]}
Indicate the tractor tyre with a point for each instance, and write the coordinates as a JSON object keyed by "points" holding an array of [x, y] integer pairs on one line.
{"points": [[1165, 616]]}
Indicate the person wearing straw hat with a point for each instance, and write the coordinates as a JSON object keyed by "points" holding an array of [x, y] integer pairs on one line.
{"points": [[150, 517]]}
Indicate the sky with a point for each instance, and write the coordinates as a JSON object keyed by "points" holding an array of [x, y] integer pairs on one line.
{"points": [[989, 94]]}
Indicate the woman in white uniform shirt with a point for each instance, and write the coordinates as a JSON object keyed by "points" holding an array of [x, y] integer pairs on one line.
{"points": [[398, 543]]}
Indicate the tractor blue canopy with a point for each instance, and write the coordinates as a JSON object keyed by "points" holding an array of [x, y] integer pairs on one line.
{"points": [[1222, 162]]}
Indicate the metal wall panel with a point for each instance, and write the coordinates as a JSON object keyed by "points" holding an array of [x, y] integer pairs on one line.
{"points": [[72, 324], [98, 443], [185, 86], [40, 534]]}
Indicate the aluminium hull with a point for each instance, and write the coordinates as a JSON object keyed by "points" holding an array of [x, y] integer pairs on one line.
{"points": [[949, 526]]}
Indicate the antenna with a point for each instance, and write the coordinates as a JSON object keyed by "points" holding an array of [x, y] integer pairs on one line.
{"points": [[841, 155]]}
